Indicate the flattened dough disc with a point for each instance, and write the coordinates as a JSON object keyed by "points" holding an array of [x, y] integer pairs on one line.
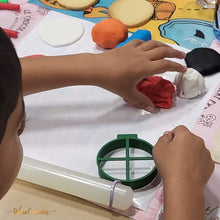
{"points": [[215, 149], [60, 31], [77, 4]]}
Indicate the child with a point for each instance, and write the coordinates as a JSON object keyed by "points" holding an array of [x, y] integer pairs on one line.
{"points": [[118, 70]]}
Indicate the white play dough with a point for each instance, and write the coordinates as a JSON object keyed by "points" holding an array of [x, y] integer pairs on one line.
{"points": [[60, 31], [215, 149], [190, 84]]}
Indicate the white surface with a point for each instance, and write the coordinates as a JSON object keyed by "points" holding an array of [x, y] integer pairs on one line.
{"points": [[60, 31], [67, 127], [32, 44]]}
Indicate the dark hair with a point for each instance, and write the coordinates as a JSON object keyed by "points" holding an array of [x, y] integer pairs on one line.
{"points": [[10, 80]]}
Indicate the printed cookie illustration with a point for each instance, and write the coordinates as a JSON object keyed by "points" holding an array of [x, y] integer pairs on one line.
{"points": [[131, 13], [52, 3], [67, 4], [77, 5]]}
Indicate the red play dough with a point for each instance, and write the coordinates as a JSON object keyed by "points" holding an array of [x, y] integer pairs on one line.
{"points": [[109, 32], [160, 91]]}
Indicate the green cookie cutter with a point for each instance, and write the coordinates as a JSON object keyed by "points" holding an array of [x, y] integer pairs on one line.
{"points": [[126, 141]]}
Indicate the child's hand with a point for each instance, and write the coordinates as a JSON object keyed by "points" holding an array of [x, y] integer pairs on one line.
{"points": [[182, 157], [185, 166], [120, 70]]}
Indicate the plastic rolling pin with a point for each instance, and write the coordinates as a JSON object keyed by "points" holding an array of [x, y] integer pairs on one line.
{"points": [[84, 186]]}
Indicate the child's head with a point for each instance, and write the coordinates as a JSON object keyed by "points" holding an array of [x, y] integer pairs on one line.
{"points": [[11, 113]]}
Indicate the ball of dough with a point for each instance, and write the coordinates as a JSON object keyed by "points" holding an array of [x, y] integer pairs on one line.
{"points": [[190, 84], [109, 32], [204, 60], [160, 91]]}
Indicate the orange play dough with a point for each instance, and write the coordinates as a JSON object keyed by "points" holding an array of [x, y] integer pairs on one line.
{"points": [[109, 32]]}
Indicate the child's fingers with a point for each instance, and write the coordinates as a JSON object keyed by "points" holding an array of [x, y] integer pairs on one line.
{"points": [[180, 129], [138, 99], [166, 138], [161, 66], [163, 52], [181, 132], [134, 43], [149, 45]]}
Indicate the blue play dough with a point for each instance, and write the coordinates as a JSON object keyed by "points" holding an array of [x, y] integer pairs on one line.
{"points": [[139, 34]]}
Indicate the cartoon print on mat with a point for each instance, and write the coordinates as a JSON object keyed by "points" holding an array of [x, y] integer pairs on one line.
{"points": [[96, 12], [170, 17], [163, 10], [91, 12], [189, 25], [52, 3], [189, 33]]}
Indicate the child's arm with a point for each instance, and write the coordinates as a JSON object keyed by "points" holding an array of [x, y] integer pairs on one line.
{"points": [[185, 166], [118, 70]]}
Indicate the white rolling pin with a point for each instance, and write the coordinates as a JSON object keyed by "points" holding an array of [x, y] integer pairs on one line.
{"points": [[84, 186]]}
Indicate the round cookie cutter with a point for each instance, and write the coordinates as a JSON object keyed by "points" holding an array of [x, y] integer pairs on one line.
{"points": [[127, 142]]}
